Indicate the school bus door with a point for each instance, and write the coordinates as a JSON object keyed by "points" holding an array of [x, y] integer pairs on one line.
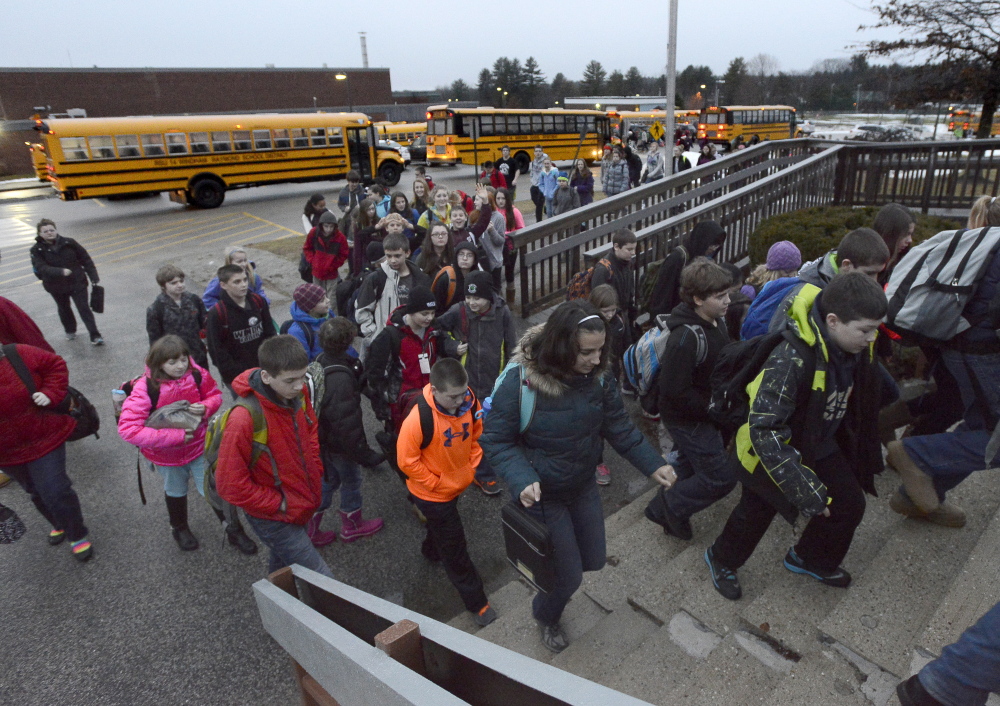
{"points": [[360, 150]]}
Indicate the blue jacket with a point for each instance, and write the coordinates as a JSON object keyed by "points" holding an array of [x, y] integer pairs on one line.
{"points": [[382, 207], [548, 182], [303, 320], [765, 304], [564, 441], [214, 290]]}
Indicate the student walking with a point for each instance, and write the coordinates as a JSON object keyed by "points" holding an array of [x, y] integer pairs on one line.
{"points": [[448, 284], [277, 512], [388, 287], [326, 250], [309, 309], [237, 325], [535, 172], [513, 222], [235, 255], [64, 266], [439, 472], [178, 312], [549, 466]]}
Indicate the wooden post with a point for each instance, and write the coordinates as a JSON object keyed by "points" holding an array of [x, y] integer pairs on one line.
{"points": [[402, 642]]}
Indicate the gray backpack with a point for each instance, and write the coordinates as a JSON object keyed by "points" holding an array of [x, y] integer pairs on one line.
{"points": [[932, 284]]}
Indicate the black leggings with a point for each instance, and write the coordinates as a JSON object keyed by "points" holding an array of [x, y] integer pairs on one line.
{"points": [[79, 298], [538, 198]]}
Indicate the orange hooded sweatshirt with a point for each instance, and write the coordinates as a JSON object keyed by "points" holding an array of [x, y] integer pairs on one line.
{"points": [[443, 470]]}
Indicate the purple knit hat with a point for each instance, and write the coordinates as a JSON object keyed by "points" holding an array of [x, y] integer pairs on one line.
{"points": [[784, 255], [307, 296]]}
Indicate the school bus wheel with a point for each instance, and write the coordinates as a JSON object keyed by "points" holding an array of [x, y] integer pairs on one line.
{"points": [[390, 172], [206, 192], [523, 161]]}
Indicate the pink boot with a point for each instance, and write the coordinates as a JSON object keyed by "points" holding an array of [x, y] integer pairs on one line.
{"points": [[316, 536], [352, 526]]}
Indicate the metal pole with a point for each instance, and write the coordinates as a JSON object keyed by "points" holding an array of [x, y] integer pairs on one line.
{"points": [[668, 137]]}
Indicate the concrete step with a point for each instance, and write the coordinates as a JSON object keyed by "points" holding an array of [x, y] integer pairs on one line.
{"points": [[974, 591], [509, 598], [821, 678], [600, 653], [627, 516], [791, 607], [889, 606]]}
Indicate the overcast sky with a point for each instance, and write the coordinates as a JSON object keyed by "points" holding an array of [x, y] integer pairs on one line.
{"points": [[429, 47]]}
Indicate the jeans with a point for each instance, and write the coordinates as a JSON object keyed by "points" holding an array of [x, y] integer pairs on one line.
{"points": [[339, 472], [175, 478], [289, 544], [79, 298], [45, 480], [548, 206], [825, 540], [950, 458], [577, 530], [969, 668], [537, 198], [704, 473], [445, 540]]}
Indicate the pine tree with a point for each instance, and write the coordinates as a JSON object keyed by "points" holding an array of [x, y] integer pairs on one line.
{"points": [[534, 81], [616, 83], [594, 77], [633, 81], [460, 90], [485, 87]]}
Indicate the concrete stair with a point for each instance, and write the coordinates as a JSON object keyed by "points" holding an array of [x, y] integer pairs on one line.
{"points": [[651, 625]]}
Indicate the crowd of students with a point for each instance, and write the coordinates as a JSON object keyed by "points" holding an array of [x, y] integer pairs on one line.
{"points": [[434, 350]]}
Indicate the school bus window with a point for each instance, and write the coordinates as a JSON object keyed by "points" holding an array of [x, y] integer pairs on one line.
{"points": [[536, 124], [318, 136], [152, 145], [300, 137], [262, 139], [74, 148], [241, 140], [199, 142], [485, 124], [221, 142], [100, 147], [525, 121], [281, 141], [177, 143], [335, 136], [128, 145]]}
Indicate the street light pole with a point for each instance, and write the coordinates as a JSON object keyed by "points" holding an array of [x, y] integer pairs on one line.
{"points": [[671, 90], [717, 82], [350, 98]]}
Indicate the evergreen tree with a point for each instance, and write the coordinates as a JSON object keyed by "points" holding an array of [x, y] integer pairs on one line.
{"points": [[460, 90], [594, 77], [485, 87], [534, 82], [633, 81]]}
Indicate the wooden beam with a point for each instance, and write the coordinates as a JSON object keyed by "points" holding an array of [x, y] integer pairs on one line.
{"points": [[401, 641]]}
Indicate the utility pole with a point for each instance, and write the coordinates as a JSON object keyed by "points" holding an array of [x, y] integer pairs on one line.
{"points": [[717, 82], [668, 142], [857, 100], [364, 49]]}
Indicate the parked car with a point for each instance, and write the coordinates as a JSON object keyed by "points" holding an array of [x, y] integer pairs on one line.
{"points": [[418, 149], [403, 151]]}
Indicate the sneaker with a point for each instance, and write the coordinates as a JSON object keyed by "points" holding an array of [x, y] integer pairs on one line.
{"points": [[70, 336], [56, 537], [725, 580], [919, 486], [489, 487], [98, 341], [912, 693], [838, 578], [650, 416], [553, 637], [82, 550], [603, 475], [485, 616], [946, 514]]}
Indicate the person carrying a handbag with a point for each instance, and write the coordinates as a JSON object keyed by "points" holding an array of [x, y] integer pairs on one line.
{"points": [[64, 266], [33, 443], [548, 459]]}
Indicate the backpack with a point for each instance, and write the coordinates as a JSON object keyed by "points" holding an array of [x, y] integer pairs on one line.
{"points": [[738, 364], [764, 306], [526, 401], [222, 312], [307, 330], [644, 358], [316, 382], [153, 392], [305, 269], [75, 403], [647, 283], [452, 281], [580, 286], [932, 284], [352, 290], [213, 442]]}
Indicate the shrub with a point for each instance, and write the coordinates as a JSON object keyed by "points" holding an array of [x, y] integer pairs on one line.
{"points": [[820, 229]]}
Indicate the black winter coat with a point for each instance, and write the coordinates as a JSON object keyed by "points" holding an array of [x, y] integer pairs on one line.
{"points": [[187, 320], [49, 261], [341, 427], [666, 292]]}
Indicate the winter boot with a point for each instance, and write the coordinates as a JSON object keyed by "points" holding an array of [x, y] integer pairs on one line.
{"points": [[317, 536], [352, 526], [236, 536], [177, 510]]}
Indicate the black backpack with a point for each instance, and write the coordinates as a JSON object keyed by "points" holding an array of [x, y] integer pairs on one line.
{"points": [[738, 364], [307, 330], [75, 403]]}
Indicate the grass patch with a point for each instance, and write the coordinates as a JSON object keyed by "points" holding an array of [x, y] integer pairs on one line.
{"points": [[817, 230], [289, 248]]}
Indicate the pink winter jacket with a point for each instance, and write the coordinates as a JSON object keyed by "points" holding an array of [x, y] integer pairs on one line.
{"points": [[166, 447]]}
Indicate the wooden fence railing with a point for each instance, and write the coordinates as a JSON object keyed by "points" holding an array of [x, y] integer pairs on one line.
{"points": [[744, 188]]}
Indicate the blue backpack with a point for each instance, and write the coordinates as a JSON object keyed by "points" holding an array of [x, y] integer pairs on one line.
{"points": [[644, 358], [764, 306]]}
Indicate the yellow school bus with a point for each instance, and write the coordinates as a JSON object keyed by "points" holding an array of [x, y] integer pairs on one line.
{"points": [[474, 135], [39, 159], [969, 121], [732, 124], [403, 133], [625, 119], [197, 158]]}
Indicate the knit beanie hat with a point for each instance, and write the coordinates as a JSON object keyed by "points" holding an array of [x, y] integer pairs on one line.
{"points": [[375, 252], [784, 255], [327, 217], [421, 299], [563, 176], [479, 284], [307, 296], [470, 246]]}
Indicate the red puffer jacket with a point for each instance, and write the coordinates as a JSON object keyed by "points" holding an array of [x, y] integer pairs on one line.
{"points": [[326, 255], [293, 438], [27, 432]]}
